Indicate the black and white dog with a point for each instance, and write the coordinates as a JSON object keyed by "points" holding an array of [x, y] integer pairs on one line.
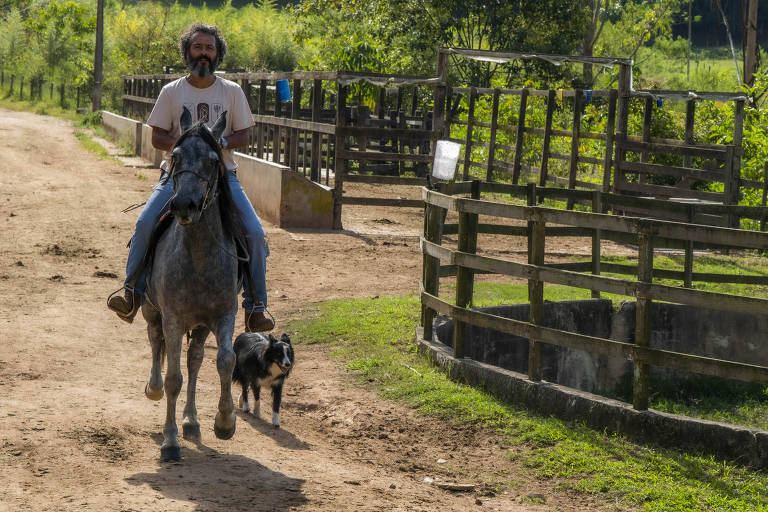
{"points": [[262, 360]]}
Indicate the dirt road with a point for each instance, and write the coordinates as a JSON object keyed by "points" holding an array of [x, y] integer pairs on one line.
{"points": [[77, 433]]}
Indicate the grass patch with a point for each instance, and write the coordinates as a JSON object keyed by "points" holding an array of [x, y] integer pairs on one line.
{"points": [[91, 145], [374, 339]]}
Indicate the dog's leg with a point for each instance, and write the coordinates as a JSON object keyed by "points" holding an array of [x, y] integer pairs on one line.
{"points": [[277, 396], [243, 402], [256, 403]]}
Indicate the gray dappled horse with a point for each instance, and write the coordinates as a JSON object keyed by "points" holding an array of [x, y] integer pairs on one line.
{"points": [[193, 283]]}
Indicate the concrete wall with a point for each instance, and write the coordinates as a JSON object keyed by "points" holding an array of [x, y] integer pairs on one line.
{"points": [[123, 129], [572, 368], [740, 444], [284, 197], [687, 329], [278, 194]]}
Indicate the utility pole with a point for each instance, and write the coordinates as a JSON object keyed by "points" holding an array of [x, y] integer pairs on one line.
{"points": [[98, 57], [751, 47]]}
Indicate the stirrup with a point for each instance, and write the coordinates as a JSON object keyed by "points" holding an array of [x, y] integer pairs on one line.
{"points": [[135, 303]]}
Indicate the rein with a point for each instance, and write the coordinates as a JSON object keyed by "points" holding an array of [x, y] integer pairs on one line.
{"points": [[212, 190]]}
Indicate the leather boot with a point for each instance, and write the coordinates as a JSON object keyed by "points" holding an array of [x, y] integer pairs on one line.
{"points": [[126, 306], [256, 321]]}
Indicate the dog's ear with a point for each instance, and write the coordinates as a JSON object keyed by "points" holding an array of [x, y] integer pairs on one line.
{"points": [[285, 338], [272, 339]]}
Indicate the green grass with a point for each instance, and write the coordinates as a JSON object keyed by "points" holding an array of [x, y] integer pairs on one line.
{"points": [[373, 337]]}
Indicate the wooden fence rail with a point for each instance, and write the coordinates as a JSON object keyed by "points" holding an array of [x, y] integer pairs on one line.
{"points": [[319, 133], [646, 234]]}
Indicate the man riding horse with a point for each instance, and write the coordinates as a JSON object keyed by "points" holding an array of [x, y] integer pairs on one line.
{"points": [[207, 97]]}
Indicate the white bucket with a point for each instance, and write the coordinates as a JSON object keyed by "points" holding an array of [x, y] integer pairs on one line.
{"points": [[446, 157]]}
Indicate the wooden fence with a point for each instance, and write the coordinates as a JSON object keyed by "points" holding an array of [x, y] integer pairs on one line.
{"points": [[328, 134], [542, 222], [522, 135], [36, 88]]}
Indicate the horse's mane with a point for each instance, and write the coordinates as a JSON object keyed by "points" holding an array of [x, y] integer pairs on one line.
{"points": [[227, 210]]}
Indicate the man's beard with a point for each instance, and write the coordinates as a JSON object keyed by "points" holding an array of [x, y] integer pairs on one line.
{"points": [[201, 71]]}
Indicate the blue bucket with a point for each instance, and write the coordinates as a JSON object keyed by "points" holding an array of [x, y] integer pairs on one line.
{"points": [[283, 91]]}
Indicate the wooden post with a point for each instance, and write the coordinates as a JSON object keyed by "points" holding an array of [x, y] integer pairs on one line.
{"points": [[438, 109], [317, 99], [551, 98], [293, 141], [339, 162], [690, 116], [520, 138], [21, 89], [738, 133], [10, 92], [610, 129], [647, 117], [597, 235], [414, 100], [431, 265], [622, 113], [536, 246], [61, 95], [465, 276], [732, 181], [641, 388], [575, 133], [688, 264], [470, 126], [492, 141]]}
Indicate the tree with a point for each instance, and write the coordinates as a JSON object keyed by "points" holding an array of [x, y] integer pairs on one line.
{"points": [[63, 33]]}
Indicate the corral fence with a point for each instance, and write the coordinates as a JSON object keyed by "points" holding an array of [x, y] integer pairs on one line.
{"points": [[322, 125], [522, 135], [35, 88], [463, 262], [381, 129]]}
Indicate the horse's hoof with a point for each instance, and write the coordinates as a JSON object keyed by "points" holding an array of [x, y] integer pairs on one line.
{"points": [[170, 453], [191, 433], [156, 394], [224, 433]]}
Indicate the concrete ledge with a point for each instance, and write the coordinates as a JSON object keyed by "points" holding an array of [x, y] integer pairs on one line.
{"points": [[278, 194], [740, 444], [123, 129], [284, 197]]}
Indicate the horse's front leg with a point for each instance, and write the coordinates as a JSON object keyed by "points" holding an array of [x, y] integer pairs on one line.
{"points": [[190, 426], [170, 449], [224, 425], [154, 388]]}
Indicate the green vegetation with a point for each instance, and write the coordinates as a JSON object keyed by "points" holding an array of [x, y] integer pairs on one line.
{"points": [[373, 337]]}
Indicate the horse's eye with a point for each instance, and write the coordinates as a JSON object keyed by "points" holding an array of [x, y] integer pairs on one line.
{"points": [[176, 152]]}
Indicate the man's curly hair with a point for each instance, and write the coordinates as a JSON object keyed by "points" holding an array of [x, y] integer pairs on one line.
{"points": [[186, 39]]}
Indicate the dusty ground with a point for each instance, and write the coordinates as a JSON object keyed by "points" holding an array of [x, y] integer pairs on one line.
{"points": [[77, 433]]}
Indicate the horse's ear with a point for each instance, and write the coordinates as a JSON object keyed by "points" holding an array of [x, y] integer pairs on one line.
{"points": [[218, 127], [186, 120]]}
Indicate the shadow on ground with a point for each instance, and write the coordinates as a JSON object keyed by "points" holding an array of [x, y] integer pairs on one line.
{"points": [[211, 480]]}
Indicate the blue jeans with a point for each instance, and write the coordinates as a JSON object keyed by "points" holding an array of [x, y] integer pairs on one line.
{"points": [[254, 236]]}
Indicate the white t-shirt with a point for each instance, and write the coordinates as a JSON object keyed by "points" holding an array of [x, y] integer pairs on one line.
{"points": [[205, 105]]}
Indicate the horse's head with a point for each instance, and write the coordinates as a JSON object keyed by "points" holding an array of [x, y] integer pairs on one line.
{"points": [[195, 168]]}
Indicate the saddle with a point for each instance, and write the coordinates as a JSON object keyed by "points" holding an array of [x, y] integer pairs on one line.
{"points": [[165, 220]]}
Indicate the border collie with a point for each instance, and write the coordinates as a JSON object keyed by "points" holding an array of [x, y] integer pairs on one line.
{"points": [[262, 360]]}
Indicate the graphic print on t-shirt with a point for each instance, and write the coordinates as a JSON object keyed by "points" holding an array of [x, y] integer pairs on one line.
{"points": [[202, 111]]}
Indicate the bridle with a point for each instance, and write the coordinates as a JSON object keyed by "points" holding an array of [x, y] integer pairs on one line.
{"points": [[212, 188]]}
